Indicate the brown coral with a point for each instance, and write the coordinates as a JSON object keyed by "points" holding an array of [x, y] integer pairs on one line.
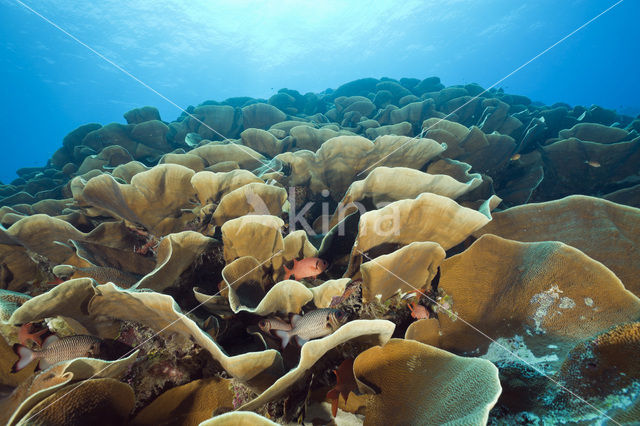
{"points": [[369, 331], [413, 383], [604, 365], [210, 213], [603, 230], [188, 404], [410, 268], [547, 292], [141, 202], [403, 222], [105, 400]]}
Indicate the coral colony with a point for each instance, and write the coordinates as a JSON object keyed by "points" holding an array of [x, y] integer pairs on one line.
{"points": [[389, 252]]}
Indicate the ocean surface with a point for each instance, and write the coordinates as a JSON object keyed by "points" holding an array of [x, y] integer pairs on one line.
{"points": [[328, 212], [52, 80]]}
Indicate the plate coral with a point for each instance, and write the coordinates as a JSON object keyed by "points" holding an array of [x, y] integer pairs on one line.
{"points": [[470, 257]]}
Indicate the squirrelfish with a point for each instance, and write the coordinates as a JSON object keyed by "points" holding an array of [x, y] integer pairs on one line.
{"points": [[418, 311], [318, 323], [269, 325], [56, 349], [309, 267]]}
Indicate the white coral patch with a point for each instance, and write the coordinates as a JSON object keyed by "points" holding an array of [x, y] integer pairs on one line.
{"points": [[545, 300], [514, 349], [567, 303]]}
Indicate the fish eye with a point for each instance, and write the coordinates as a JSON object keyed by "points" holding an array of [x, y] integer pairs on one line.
{"points": [[262, 323]]}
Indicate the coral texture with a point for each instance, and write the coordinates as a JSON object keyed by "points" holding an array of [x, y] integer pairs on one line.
{"points": [[462, 256]]}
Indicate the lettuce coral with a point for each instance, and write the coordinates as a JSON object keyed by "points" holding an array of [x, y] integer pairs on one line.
{"points": [[174, 238]]}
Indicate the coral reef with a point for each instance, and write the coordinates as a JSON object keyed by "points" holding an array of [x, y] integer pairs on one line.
{"points": [[415, 383], [460, 256]]}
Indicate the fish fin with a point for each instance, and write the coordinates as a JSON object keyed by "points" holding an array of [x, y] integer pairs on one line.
{"points": [[25, 355], [284, 336], [294, 320], [333, 395], [24, 333], [287, 273], [37, 337], [49, 341], [301, 341], [43, 364]]}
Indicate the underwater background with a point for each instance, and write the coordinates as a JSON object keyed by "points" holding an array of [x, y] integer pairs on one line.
{"points": [[292, 212]]}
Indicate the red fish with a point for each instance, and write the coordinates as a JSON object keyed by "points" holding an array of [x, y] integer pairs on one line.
{"points": [[27, 333], [418, 311], [345, 383], [305, 268], [55, 282]]}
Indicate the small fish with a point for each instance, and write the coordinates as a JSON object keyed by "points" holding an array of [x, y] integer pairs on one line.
{"points": [[55, 350], [318, 323], [515, 157], [26, 333], [592, 163], [305, 268], [55, 282], [192, 139], [269, 325], [348, 291], [418, 311]]}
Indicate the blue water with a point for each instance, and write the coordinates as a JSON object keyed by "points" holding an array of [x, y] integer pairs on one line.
{"points": [[194, 51]]}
